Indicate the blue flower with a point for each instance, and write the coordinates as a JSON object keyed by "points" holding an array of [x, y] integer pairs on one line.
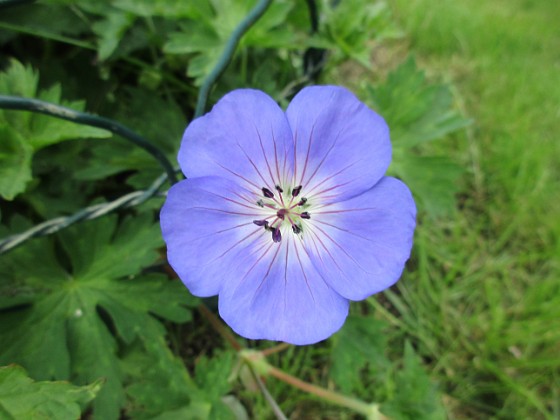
{"points": [[287, 216]]}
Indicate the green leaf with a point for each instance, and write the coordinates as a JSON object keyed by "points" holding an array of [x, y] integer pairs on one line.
{"points": [[160, 386], [140, 109], [110, 31], [211, 374], [39, 18], [193, 9], [415, 397], [156, 379], [22, 398], [81, 312], [359, 343], [433, 179], [349, 33], [15, 162], [206, 38], [23, 133], [418, 112]]}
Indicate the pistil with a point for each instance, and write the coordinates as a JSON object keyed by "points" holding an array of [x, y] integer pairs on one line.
{"points": [[283, 211]]}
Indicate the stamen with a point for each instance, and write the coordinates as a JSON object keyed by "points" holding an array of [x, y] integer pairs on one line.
{"points": [[267, 193], [260, 203], [302, 201], [296, 229], [276, 235], [261, 223], [279, 189], [305, 215], [296, 191]]}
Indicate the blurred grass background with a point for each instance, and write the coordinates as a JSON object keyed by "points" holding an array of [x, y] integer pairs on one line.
{"points": [[485, 300]]}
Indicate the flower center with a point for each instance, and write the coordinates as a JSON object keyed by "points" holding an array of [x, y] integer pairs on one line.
{"points": [[286, 208]]}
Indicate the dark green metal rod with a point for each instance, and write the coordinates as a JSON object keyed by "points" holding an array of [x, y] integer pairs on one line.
{"points": [[53, 110], [227, 54]]}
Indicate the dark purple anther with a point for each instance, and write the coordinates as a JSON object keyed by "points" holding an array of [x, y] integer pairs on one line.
{"points": [[267, 193], [276, 235], [261, 223], [296, 191], [305, 215], [296, 229], [279, 189], [302, 201]]}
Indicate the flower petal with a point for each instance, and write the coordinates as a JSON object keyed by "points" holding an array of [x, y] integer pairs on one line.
{"points": [[245, 138], [360, 246], [204, 222], [342, 146], [276, 294]]}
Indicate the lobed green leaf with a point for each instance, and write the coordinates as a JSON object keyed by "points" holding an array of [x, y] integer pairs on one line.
{"points": [[22, 398]]}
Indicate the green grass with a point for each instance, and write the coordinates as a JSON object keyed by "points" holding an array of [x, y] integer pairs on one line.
{"points": [[483, 305]]}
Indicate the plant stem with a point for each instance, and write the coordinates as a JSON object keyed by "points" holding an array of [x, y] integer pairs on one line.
{"points": [[219, 327], [371, 411], [269, 399], [275, 349]]}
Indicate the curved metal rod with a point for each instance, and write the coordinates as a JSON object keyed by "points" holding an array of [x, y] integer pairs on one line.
{"points": [[53, 110], [226, 56]]}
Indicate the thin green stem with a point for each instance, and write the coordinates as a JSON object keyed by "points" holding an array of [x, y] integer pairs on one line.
{"points": [[57, 111], [47, 35], [272, 350], [257, 360], [334, 397], [269, 398], [227, 54], [219, 327]]}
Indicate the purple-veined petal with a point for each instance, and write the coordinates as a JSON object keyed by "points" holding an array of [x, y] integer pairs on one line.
{"points": [[360, 245], [274, 292], [246, 138], [342, 147], [205, 221]]}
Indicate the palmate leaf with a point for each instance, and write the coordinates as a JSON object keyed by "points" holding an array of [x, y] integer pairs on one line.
{"points": [[434, 180], [164, 389], [77, 318], [360, 342], [419, 112], [22, 398], [415, 397], [24, 133], [416, 111]]}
